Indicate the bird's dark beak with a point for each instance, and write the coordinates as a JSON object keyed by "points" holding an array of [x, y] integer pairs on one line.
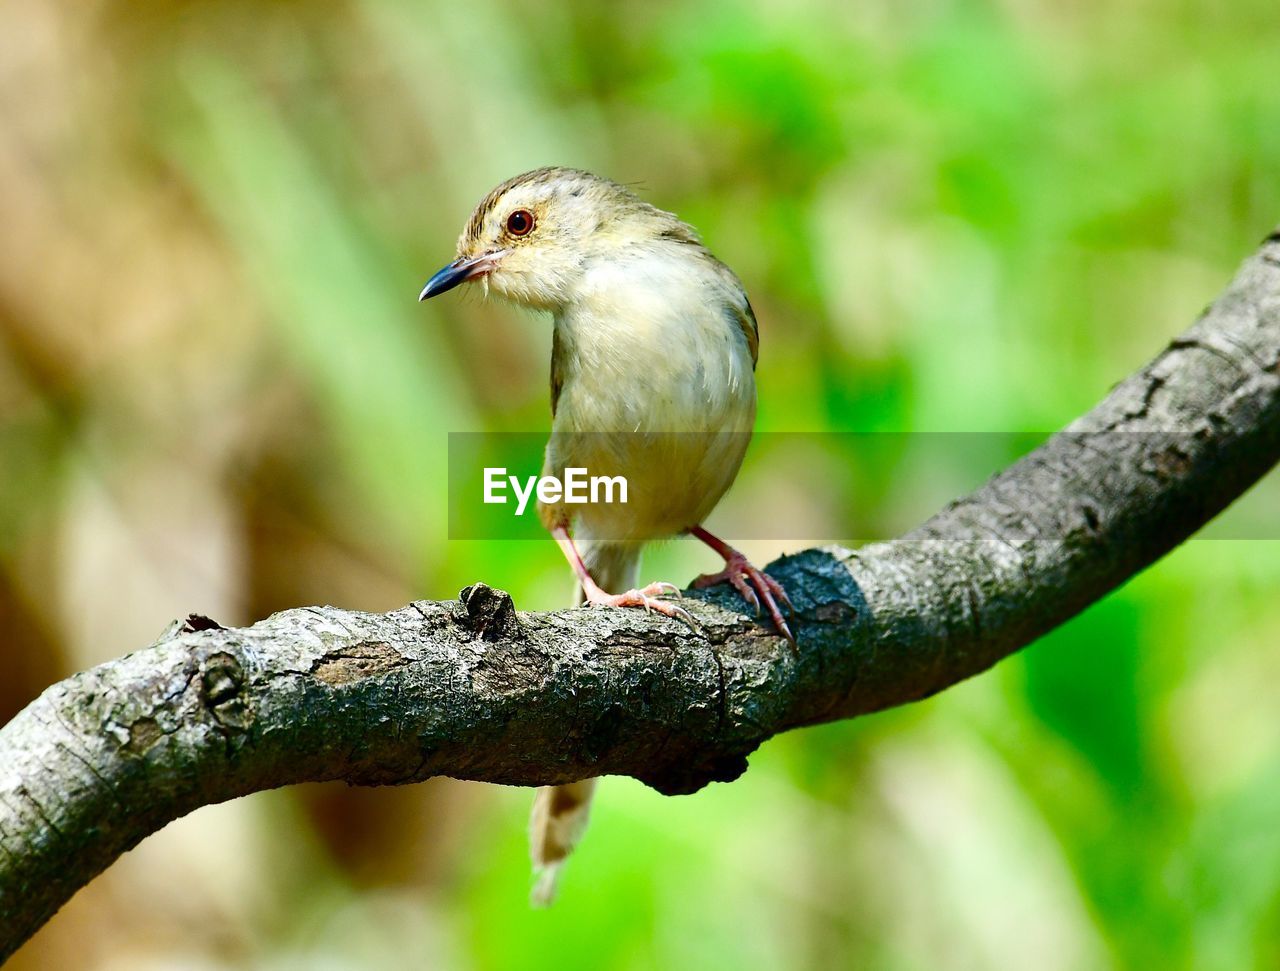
{"points": [[459, 271]]}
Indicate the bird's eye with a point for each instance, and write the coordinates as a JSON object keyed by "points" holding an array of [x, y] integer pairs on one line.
{"points": [[520, 223]]}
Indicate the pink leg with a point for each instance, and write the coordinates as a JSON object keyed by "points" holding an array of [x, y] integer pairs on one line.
{"points": [[646, 597], [752, 585]]}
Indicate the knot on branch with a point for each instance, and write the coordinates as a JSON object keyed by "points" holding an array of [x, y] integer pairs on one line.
{"points": [[491, 614], [222, 684], [198, 622], [686, 778]]}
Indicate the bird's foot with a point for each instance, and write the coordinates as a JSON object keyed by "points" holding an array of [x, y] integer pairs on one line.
{"points": [[650, 598], [754, 586]]}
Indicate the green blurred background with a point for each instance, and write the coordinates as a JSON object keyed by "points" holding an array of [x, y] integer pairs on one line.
{"points": [[218, 393]]}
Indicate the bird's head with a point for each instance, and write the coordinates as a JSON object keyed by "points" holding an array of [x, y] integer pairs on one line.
{"points": [[531, 239]]}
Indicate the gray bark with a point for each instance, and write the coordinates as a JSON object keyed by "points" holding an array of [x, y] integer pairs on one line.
{"points": [[474, 689]]}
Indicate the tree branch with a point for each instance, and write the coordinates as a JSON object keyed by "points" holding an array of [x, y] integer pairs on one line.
{"points": [[476, 690]]}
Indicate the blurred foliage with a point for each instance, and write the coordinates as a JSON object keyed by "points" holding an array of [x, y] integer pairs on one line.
{"points": [[218, 393]]}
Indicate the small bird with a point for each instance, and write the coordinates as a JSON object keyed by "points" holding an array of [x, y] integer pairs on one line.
{"points": [[652, 377]]}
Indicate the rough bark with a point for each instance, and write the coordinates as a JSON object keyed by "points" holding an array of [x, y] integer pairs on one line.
{"points": [[474, 689]]}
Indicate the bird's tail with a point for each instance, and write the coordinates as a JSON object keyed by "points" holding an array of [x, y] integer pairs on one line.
{"points": [[560, 812]]}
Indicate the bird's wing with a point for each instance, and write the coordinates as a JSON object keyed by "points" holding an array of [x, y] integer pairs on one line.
{"points": [[744, 317], [737, 306], [557, 369]]}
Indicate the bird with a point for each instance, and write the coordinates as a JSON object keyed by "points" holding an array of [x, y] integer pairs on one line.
{"points": [[654, 348]]}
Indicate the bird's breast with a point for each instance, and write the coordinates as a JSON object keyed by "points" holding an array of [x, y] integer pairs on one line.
{"points": [[656, 384], [653, 349]]}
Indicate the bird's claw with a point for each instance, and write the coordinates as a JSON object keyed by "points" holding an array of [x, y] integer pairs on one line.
{"points": [[756, 587], [780, 593], [745, 591], [651, 599]]}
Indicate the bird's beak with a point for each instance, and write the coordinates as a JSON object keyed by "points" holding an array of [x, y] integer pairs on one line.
{"points": [[459, 271]]}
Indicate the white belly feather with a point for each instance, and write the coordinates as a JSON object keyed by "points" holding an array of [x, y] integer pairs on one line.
{"points": [[659, 388]]}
